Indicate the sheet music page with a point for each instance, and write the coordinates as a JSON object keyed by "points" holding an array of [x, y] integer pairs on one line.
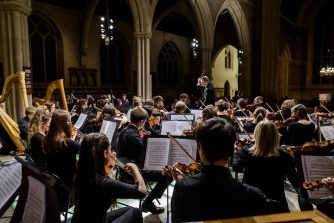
{"points": [[241, 124], [81, 121], [245, 136], [328, 132], [181, 117], [178, 156], [183, 125], [10, 180], [317, 168], [108, 128], [197, 113], [34, 210], [157, 153], [129, 114], [169, 126]]}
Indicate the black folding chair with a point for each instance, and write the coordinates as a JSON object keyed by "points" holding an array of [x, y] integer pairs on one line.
{"points": [[64, 194]]}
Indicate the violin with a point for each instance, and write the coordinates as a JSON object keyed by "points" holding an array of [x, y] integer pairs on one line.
{"points": [[326, 146], [184, 170], [323, 115], [244, 120], [164, 110], [244, 142], [143, 132], [110, 164], [251, 107], [280, 124], [229, 111], [188, 132], [316, 184], [271, 115]]}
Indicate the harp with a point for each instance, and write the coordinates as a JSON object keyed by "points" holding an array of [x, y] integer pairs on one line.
{"points": [[7, 122], [57, 84]]}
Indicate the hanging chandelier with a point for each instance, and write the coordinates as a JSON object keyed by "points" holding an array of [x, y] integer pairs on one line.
{"points": [[329, 71], [195, 46], [107, 27]]}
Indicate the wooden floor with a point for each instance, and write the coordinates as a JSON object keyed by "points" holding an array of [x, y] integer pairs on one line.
{"points": [[290, 194]]}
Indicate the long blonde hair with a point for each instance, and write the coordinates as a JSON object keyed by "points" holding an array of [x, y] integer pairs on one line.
{"points": [[35, 124], [266, 140]]}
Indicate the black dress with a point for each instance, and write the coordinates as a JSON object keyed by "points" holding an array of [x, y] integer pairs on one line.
{"points": [[250, 126], [98, 198], [285, 138], [300, 133], [63, 163], [240, 113], [267, 174], [36, 150]]}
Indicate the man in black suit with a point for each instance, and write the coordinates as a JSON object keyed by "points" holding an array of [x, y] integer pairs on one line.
{"points": [[208, 90]]}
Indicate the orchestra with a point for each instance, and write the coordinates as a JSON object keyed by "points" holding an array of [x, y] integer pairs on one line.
{"points": [[85, 159]]}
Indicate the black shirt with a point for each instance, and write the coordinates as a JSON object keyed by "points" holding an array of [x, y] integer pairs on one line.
{"points": [[36, 150], [262, 105], [130, 143], [300, 133], [240, 113], [228, 118], [63, 163], [267, 174], [249, 126], [23, 126], [214, 194], [99, 196], [286, 114]]}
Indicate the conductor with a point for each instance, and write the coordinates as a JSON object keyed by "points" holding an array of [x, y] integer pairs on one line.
{"points": [[208, 90]]}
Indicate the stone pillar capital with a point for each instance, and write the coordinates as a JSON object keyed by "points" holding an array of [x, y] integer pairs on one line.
{"points": [[15, 6], [143, 35]]}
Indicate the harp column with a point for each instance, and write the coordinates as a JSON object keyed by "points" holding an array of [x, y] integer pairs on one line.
{"points": [[144, 79], [14, 48]]}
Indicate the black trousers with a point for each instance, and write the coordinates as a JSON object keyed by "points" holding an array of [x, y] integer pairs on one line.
{"points": [[159, 189], [125, 215]]}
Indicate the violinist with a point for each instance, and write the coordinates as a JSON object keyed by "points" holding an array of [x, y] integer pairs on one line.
{"points": [[137, 102], [213, 193], [158, 103], [82, 105], [155, 129], [302, 131], [130, 145], [286, 113], [221, 107], [94, 191], [258, 115], [242, 108], [50, 107], [60, 150], [208, 113], [185, 99], [180, 108], [90, 99], [315, 116], [259, 102], [265, 164]]}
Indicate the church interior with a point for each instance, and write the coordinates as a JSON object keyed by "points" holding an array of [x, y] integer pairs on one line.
{"points": [[231, 57]]}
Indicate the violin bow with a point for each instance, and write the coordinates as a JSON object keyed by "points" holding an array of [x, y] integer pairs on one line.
{"points": [[201, 102], [188, 121], [242, 127], [229, 102], [280, 112], [179, 145], [243, 112], [325, 108], [270, 107], [188, 108], [202, 73]]}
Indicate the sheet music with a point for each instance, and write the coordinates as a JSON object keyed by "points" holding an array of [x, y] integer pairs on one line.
{"points": [[240, 124], [174, 127], [108, 128], [197, 113], [36, 201], [316, 124], [81, 121], [128, 115], [157, 153], [328, 132], [10, 180], [181, 117], [245, 136], [317, 168], [178, 156]]}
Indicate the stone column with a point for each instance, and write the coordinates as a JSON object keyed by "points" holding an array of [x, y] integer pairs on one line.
{"points": [[206, 61], [144, 81], [270, 47], [14, 48]]}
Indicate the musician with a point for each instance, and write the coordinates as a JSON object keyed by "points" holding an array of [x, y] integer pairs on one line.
{"points": [[242, 108], [38, 127], [90, 100], [259, 102], [184, 98], [265, 165], [221, 106], [259, 115], [172, 106], [158, 104], [124, 100], [208, 90], [60, 150], [94, 190], [24, 122], [82, 105], [214, 194], [302, 130], [208, 113], [180, 108], [286, 113], [109, 112], [137, 102], [155, 129], [50, 107], [130, 145]]}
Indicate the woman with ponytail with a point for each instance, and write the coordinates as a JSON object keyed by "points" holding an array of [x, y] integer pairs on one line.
{"points": [[95, 191], [259, 115]]}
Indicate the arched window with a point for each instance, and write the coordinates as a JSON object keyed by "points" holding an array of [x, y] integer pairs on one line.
{"points": [[114, 61], [323, 50], [46, 50], [228, 58], [169, 64]]}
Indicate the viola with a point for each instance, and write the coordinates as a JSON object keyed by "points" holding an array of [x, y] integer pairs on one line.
{"points": [[316, 184], [280, 124], [188, 132], [190, 170]]}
